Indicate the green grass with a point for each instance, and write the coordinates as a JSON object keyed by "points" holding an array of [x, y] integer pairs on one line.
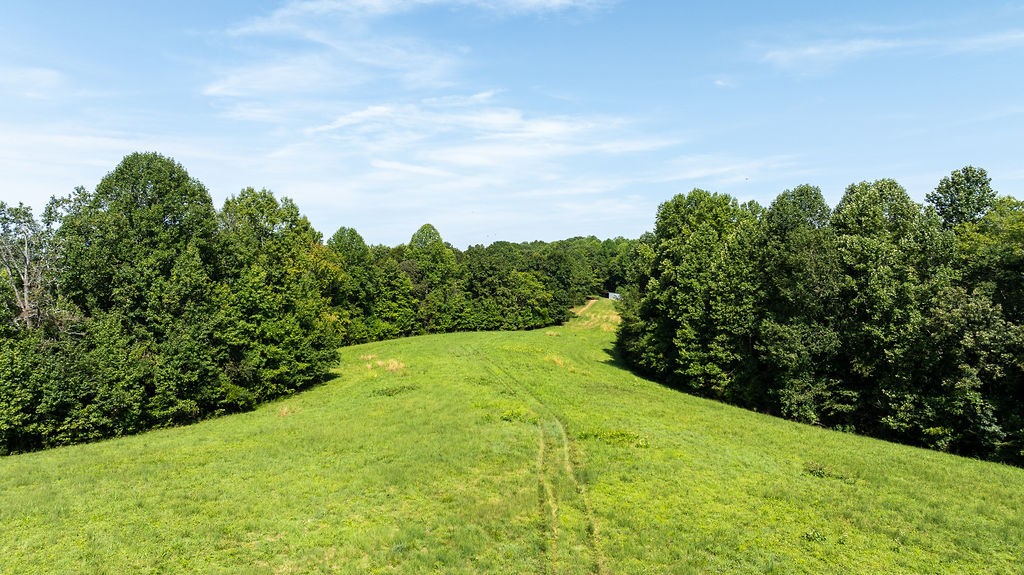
{"points": [[504, 453]]}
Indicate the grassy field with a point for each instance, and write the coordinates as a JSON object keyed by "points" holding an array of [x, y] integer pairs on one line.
{"points": [[504, 453]]}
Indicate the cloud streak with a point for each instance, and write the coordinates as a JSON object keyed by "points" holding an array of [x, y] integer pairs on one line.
{"points": [[829, 53], [280, 19], [31, 83]]}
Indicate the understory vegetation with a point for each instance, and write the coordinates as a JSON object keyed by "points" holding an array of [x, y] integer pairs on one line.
{"points": [[504, 452], [139, 305], [883, 316]]}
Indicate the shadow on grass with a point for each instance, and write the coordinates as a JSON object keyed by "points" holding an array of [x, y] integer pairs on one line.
{"points": [[615, 360]]}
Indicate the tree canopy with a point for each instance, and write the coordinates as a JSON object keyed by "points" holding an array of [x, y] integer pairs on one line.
{"points": [[883, 316]]}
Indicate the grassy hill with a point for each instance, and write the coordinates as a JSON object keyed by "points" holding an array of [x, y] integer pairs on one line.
{"points": [[527, 452]]}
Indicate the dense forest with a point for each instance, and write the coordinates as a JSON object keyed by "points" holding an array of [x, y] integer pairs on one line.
{"points": [[882, 316], [139, 305]]}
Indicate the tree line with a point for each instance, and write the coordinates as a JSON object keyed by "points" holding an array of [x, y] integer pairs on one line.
{"points": [[882, 316], [139, 305]]}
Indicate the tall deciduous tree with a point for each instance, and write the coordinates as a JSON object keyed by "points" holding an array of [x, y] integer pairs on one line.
{"points": [[26, 260], [797, 340], [437, 281], [279, 332], [694, 311], [888, 246], [393, 304], [116, 241], [353, 295], [964, 196]]}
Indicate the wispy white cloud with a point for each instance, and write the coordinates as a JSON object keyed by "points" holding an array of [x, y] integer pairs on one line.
{"points": [[439, 150], [359, 132], [303, 73], [827, 53], [1008, 40], [369, 115], [345, 28], [31, 83], [400, 164], [830, 52], [483, 135], [281, 18], [411, 169], [49, 160], [716, 170], [459, 101]]}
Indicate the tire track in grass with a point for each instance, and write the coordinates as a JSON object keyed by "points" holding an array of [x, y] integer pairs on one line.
{"points": [[571, 458], [557, 461], [548, 501]]}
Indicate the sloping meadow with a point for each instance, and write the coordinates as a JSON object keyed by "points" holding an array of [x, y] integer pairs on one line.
{"points": [[525, 452]]}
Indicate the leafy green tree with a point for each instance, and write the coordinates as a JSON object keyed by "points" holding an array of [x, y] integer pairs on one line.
{"points": [[114, 242], [18, 400], [566, 273], [963, 363], [694, 314], [188, 379], [487, 271], [991, 253], [135, 258], [353, 296], [895, 257], [392, 302], [878, 317], [505, 294], [436, 277], [617, 253], [799, 283], [278, 329], [964, 196], [174, 313]]}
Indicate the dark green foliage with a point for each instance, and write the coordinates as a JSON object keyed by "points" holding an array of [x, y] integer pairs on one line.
{"points": [[279, 332], [797, 339], [392, 304], [880, 317], [436, 279], [567, 270], [991, 254], [691, 323], [353, 293], [505, 293], [115, 241], [138, 305], [963, 197], [162, 311], [428, 286]]}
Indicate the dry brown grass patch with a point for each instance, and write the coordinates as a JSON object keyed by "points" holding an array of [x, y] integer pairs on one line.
{"points": [[391, 365]]}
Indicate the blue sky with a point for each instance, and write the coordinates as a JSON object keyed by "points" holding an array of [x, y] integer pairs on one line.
{"points": [[510, 119]]}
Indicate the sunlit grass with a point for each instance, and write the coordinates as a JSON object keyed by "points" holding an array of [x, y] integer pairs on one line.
{"points": [[504, 453]]}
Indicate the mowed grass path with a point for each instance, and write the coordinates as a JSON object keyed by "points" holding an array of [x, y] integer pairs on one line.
{"points": [[504, 453]]}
